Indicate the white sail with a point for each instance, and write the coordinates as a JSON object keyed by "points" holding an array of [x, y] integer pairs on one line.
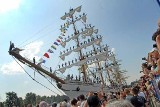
{"points": [[101, 57], [78, 9], [71, 22], [84, 18]]}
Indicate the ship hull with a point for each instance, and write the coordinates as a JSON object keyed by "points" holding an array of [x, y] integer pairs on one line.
{"points": [[74, 89]]}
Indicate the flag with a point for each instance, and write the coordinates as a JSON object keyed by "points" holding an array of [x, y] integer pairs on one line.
{"points": [[158, 1], [50, 51], [60, 37], [41, 60], [58, 40], [56, 43], [66, 25], [53, 47], [46, 55], [62, 34]]}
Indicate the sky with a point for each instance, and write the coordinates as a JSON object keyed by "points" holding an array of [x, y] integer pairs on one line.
{"points": [[126, 26]]}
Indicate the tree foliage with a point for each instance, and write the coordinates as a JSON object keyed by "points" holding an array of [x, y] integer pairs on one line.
{"points": [[11, 99], [30, 98]]}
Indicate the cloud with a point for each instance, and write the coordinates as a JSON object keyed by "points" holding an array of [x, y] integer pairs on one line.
{"points": [[30, 51], [11, 68], [26, 82], [7, 5]]}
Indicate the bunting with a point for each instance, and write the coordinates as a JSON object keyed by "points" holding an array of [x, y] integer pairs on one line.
{"points": [[58, 40], [50, 51], [41, 60], [63, 34], [53, 47], [46, 55], [60, 37], [56, 43]]}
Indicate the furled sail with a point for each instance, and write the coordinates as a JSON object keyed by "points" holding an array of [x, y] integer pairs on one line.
{"points": [[84, 45], [99, 57]]}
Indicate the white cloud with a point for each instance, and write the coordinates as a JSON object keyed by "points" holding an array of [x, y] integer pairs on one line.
{"points": [[7, 5], [11, 68], [30, 51]]}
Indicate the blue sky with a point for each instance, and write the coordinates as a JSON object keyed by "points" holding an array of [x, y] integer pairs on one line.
{"points": [[126, 25]]}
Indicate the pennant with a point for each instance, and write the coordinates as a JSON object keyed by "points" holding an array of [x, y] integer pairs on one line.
{"points": [[66, 25], [58, 40], [43, 61], [46, 55], [53, 47], [50, 51], [63, 34], [63, 30], [56, 43], [60, 37]]}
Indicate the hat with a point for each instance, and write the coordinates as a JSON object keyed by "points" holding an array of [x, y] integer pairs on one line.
{"points": [[93, 101]]}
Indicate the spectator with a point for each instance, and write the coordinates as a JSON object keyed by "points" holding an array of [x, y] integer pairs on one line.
{"points": [[122, 103], [74, 103], [54, 104], [137, 101], [128, 94]]}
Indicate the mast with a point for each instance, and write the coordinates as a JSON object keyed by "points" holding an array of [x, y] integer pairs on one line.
{"points": [[99, 67], [80, 51], [15, 52]]}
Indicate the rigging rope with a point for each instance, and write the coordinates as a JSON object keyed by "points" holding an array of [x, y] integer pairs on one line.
{"points": [[33, 78], [48, 81], [35, 34], [35, 40]]}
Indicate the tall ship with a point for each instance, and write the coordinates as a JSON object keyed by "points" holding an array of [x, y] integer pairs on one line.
{"points": [[95, 65]]}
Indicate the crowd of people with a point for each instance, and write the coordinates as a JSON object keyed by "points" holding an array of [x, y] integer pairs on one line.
{"points": [[128, 97], [139, 95]]}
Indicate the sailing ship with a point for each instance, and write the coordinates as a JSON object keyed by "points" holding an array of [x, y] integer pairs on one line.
{"points": [[96, 64]]}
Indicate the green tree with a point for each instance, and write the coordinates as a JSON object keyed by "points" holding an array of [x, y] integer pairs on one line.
{"points": [[1, 104], [38, 99], [20, 102], [43, 98], [11, 99], [30, 98]]}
